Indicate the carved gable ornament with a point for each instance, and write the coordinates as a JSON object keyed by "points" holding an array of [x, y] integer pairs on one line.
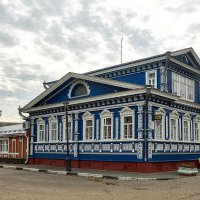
{"points": [[106, 114], [160, 111], [174, 114], [40, 121], [126, 111], [197, 118], [87, 115], [52, 119], [186, 116]]}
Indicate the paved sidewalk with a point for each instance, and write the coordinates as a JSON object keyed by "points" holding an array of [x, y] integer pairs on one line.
{"points": [[115, 175]]}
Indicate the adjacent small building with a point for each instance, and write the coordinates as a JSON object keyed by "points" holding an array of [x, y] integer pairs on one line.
{"points": [[14, 144], [141, 116]]}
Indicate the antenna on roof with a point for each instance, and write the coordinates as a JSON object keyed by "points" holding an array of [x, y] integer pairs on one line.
{"points": [[122, 38]]}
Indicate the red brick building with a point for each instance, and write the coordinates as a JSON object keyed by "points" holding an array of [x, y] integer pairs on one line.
{"points": [[14, 144]]}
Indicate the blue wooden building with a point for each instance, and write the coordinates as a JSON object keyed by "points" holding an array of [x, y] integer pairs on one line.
{"points": [[141, 116]]}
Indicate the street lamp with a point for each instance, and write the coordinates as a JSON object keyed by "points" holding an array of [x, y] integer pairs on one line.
{"points": [[68, 160]]}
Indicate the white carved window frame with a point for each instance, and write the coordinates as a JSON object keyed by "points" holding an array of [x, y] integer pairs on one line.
{"points": [[104, 115], [70, 120], [127, 112], [197, 121], [162, 112], [186, 118], [77, 82], [53, 120], [41, 121], [147, 77], [88, 116], [175, 116]]}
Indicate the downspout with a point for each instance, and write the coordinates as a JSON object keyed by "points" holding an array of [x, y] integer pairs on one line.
{"points": [[168, 54], [27, 148], [26, 136], [148, 96]]}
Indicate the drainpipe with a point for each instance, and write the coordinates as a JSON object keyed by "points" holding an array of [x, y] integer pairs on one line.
{"points": [[148, 96], [26, 136], [168, 54], [27, 148]]}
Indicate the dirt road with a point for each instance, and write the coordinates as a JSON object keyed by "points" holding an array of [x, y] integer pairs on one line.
{"points": [[33, 185]]}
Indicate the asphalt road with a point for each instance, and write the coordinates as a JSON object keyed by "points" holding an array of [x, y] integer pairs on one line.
{"points": [[15, 184]]}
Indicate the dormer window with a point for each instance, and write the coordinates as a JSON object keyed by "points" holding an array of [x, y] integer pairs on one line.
{"points": [[79, 88], [151, 78]]}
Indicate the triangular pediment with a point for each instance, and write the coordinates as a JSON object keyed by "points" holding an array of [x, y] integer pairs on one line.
{"points": [[63, 89], [188, 57]]}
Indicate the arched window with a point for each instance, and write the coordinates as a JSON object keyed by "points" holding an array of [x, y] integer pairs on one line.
{"points": [[79, 90]]}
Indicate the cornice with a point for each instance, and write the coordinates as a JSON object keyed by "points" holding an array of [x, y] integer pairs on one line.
{"points": [[185, 66]]}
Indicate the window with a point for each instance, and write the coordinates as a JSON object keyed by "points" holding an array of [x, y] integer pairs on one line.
{"points": [[159, 129], [88, 126], [53, 129], [41, 130], [196, 131], [174, 128], [106, 125], [174, 116], [80, 91], [186, 127], [69, 125], [160, 125], [128, 127], [79, 88], [151, 78], [127, 119], [107, 128], [185, 130], [182, 86], [4, 146], [88, 129]]}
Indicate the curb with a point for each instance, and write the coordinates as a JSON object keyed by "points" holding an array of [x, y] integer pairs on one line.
{"points": [[81, 174]]}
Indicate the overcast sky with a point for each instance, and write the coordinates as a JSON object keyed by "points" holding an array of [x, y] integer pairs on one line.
{"points": [[45, 39]]}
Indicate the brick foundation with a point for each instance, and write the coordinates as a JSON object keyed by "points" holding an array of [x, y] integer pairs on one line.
{"points": [[117, 166]]}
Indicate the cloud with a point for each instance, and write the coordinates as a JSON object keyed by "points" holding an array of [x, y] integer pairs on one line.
{"points": [[185, 7], [8, 40]]}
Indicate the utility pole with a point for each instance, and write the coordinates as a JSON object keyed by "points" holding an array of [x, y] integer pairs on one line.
{"points": [[122, 40]]}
